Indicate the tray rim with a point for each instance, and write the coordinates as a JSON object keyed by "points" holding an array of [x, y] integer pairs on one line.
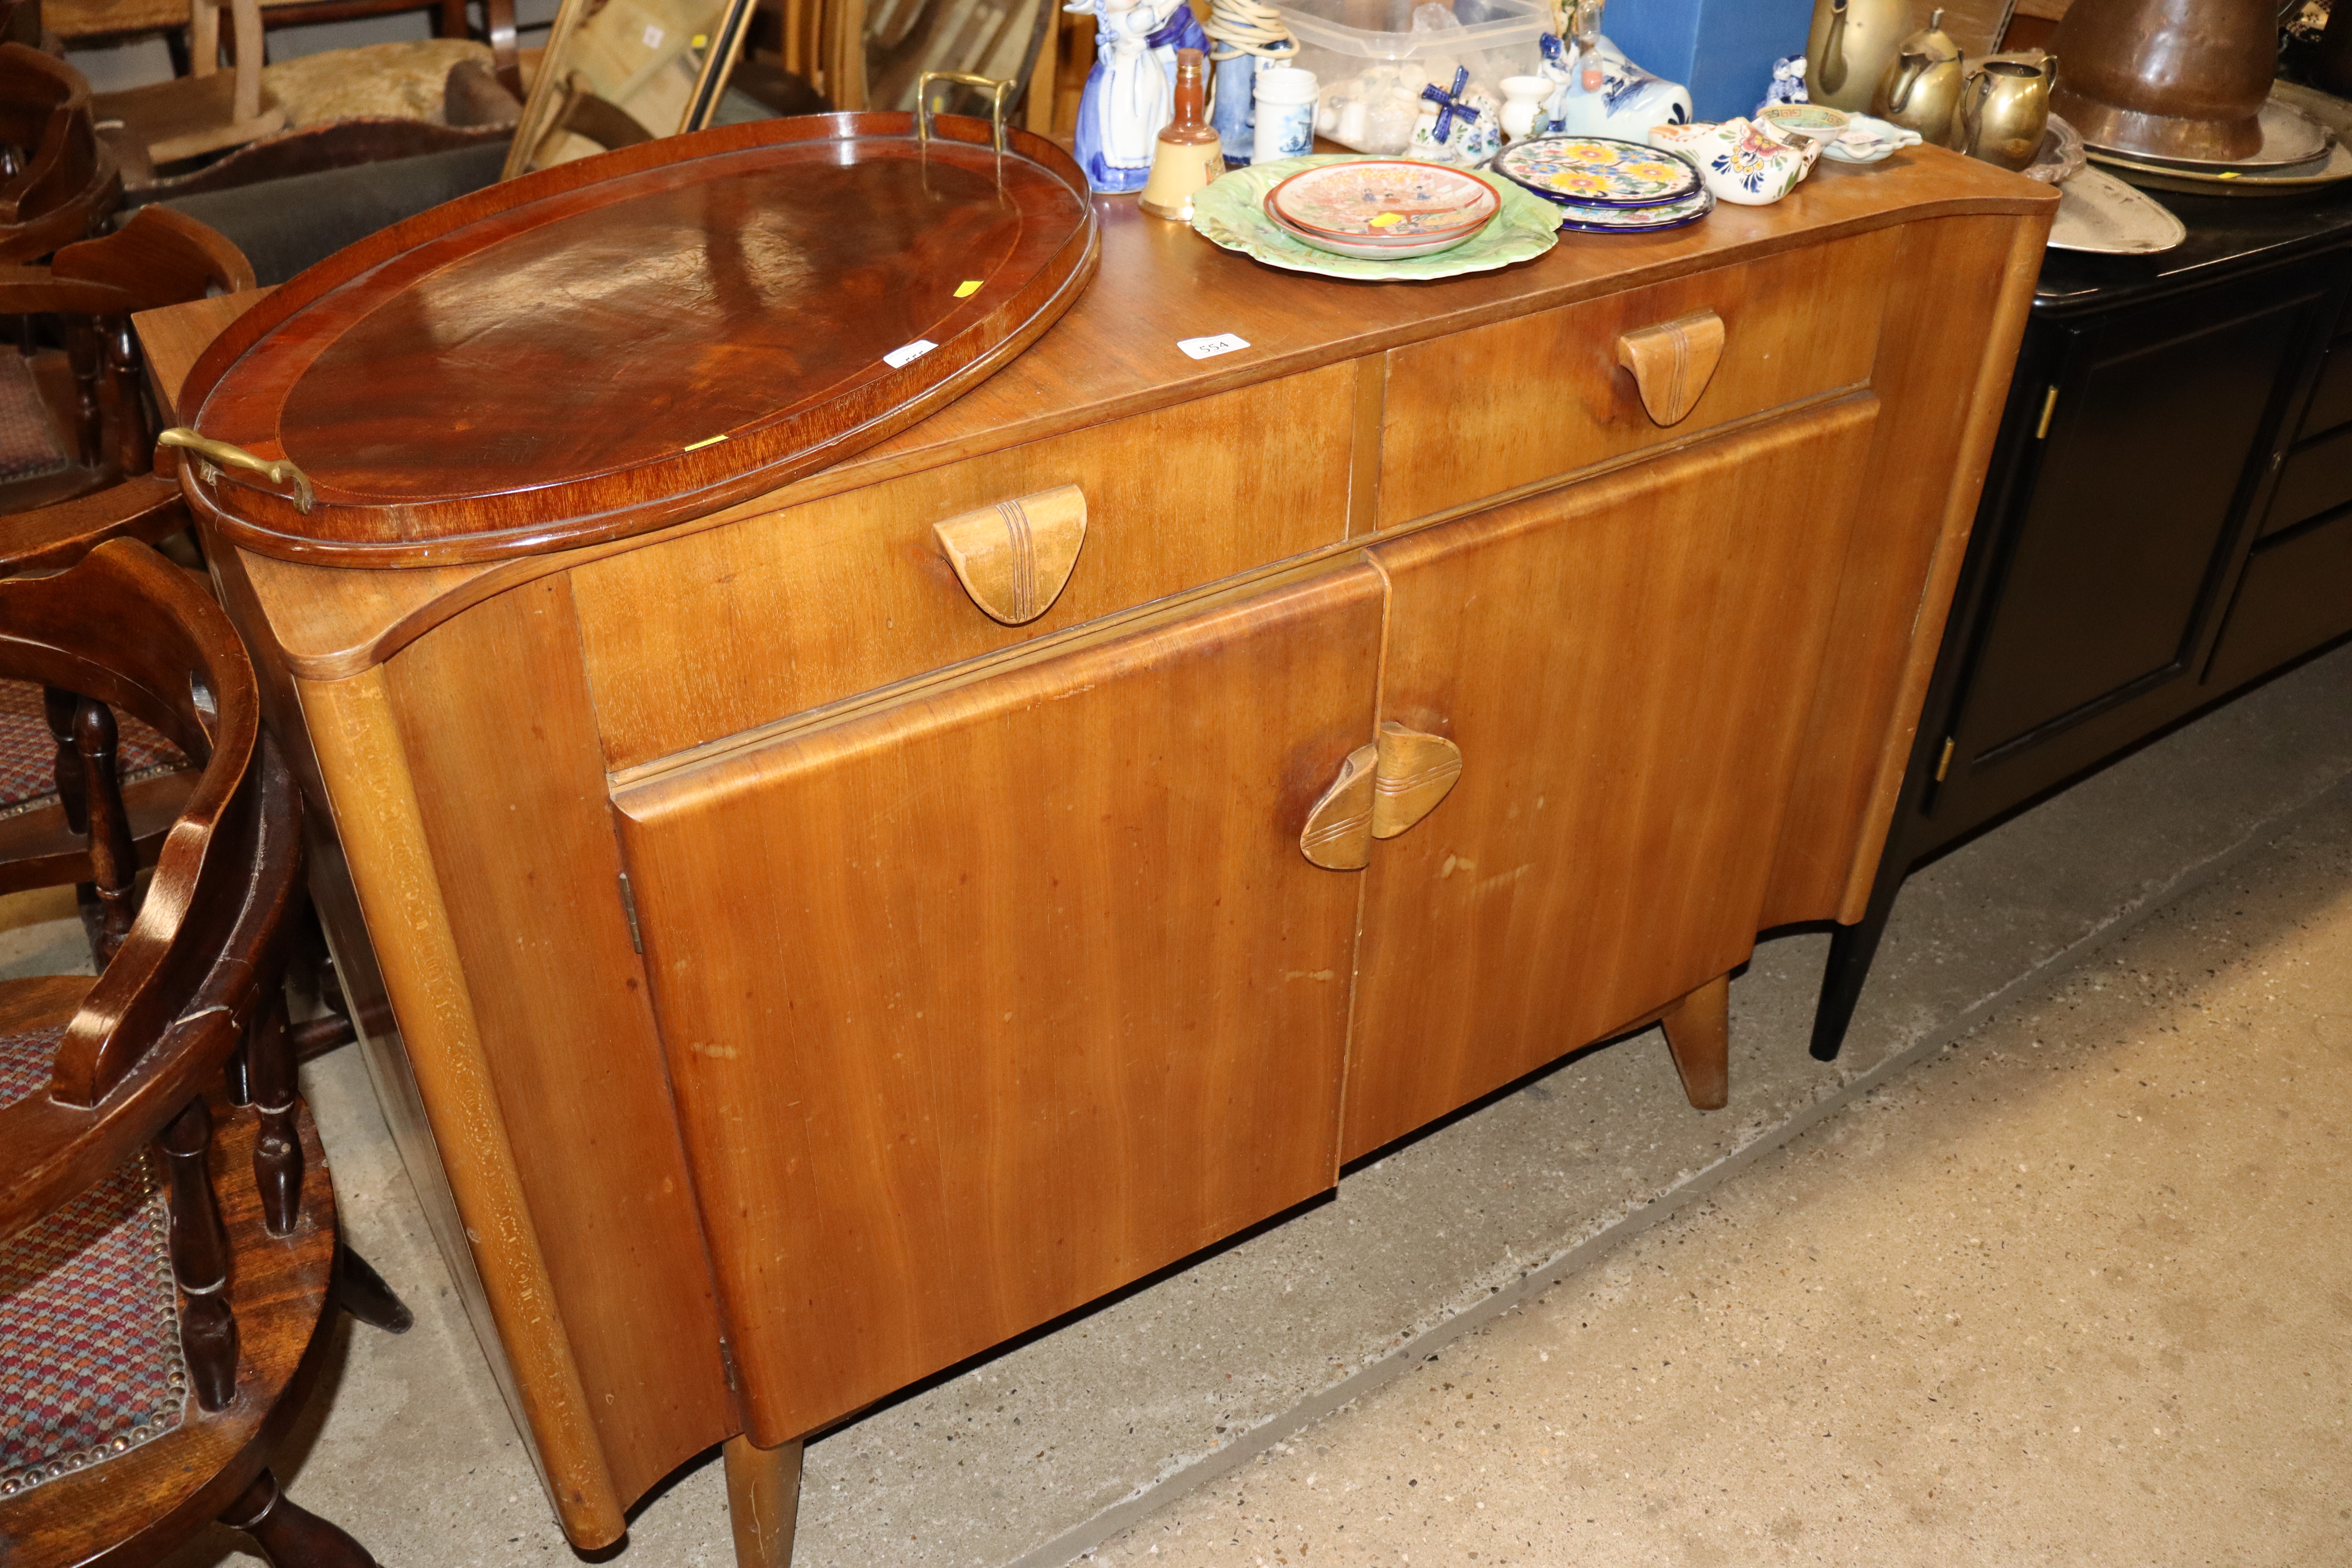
{"points": [[650, 495]]}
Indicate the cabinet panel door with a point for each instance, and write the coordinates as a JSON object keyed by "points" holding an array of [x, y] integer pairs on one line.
{"points": [[1626, 665], [987, 1002]]}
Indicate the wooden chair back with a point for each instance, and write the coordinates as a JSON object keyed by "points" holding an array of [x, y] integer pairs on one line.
{"points": [[129, 629], [57, 183], [159, 258]]}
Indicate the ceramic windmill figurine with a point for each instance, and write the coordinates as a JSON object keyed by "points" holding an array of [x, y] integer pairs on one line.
{"points": [[1131, 92]]}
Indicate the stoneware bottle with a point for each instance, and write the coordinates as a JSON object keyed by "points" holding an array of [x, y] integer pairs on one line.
{"points": [[1189, 152]]}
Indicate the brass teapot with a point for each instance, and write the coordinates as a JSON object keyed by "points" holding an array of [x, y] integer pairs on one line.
{"points": [[1921, 87], [1850, 47], [2005, 108]]}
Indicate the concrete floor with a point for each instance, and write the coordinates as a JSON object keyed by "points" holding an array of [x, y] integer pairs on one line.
{"points": [[2041, 1002]]}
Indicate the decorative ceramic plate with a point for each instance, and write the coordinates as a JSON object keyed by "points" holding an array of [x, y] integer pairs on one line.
{"points": [[2289, 136], [1597, 171], [1385, 201], [2098, 212], [1231, 212], [1374, 249], [1868, 141], [1635, 220]]}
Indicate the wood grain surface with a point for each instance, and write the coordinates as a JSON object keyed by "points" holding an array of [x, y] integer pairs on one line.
{"points": [[1623, 666], [1114, 355], [1956, 307], [1174, 500], [1490, 410], [529, 874], [1027, 993], [352, 726]]}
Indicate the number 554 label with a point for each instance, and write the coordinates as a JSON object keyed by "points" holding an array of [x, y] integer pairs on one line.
{"points": [[1209, 348]]}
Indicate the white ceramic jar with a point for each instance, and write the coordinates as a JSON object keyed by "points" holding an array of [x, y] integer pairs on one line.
{"points": [[1285, 114]]}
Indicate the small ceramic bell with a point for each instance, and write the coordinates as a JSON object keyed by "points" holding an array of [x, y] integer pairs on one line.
{"points": [[1189, 152]]}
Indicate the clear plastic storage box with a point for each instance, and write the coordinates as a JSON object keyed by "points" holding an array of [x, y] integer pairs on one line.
{"points": [[1370, 64]]}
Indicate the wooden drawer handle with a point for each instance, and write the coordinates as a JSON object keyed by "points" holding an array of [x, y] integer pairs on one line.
{"points": [[1015, 558], [1672, 364], [1382, 790]]}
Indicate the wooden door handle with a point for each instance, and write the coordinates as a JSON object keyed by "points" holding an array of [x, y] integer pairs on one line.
{"points": [[1382, 790], [1015, 558], [1672, 362]]}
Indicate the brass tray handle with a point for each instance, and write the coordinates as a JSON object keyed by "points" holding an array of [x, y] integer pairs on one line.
{"points": [[1015, 558], [280, 472], [1382, 790], [923, 101]]}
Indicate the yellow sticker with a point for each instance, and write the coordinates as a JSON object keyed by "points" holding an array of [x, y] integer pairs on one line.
{"points": [[967, 289], [701, 40], [709, 441], [1385, 220]]}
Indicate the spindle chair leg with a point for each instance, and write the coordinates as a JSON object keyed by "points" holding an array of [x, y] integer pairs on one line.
{"points": [[277, 1144], [82, 356], [360, 1291], [59, 708], [199, 1253], [134, 437], [290, 1536], [113, 858]]}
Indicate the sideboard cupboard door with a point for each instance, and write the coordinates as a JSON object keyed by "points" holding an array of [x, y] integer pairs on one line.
{"points": [[1626, 666], [981, 1003]]}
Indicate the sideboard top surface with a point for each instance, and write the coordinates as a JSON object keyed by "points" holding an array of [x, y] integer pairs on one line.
{"points": [[1115, 354]]}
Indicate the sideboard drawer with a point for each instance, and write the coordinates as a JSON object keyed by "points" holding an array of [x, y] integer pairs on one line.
{"points": [[720, 631], [1500, 406]]}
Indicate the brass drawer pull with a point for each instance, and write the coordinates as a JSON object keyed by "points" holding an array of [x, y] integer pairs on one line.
{"points": [[1672, 362], [1382, 791], [1015, 558], [279, 472]]}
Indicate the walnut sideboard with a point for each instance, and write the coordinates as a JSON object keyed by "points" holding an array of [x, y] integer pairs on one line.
{"points": [[787, 980]]}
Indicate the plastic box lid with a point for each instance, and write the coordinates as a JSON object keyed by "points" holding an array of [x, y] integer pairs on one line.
{"points": [[1382, 29]]}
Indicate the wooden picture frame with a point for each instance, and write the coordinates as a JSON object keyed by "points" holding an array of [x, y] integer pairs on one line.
{"points": [[556, 88]]}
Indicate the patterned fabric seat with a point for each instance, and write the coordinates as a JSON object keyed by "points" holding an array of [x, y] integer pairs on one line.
{"points": [[28, 778], [90, 1325]]}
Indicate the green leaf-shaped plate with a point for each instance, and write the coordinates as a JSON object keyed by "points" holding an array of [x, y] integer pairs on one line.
{"points": [[1232, 212]]}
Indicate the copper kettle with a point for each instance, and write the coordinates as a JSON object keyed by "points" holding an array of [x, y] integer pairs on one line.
{"points": [[2175, 78]]}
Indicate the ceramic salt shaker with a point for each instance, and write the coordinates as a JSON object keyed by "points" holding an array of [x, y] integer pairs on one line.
{"points": [[1285, 114]]}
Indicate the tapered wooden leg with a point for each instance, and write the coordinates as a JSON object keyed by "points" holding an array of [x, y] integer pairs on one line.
{"points": [[1698, 1033], [291, 1537], [361, 1291], [277, 1146], [763, 1501]]}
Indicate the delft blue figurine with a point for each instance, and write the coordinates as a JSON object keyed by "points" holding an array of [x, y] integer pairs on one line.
{"points": [[1603, 94], [1131, 92]]}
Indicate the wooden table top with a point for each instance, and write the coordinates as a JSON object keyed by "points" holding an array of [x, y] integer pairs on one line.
{"points": [[1115, 354]]}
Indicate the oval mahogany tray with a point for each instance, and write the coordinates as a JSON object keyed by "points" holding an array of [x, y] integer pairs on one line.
{"points": [[634, 339]]}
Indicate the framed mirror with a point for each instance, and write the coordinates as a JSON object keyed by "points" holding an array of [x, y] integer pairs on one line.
{"points": [[616, 72]]}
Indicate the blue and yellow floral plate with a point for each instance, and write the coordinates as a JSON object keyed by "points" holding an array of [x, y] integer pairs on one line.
{"points": [[1578, 218], [1231, 212], [1597, 171]]}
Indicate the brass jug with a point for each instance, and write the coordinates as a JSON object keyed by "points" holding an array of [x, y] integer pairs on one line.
{"points": [[1849, 49], [2005, 108], [1921, 89]]}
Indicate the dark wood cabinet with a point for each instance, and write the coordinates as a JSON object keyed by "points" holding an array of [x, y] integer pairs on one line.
{"points": [[2168, 518]]}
